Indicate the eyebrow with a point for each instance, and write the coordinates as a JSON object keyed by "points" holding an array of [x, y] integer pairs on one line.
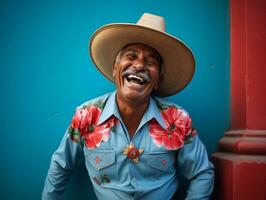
{"points": [[127, 50], [149, 55], [157, 58]]}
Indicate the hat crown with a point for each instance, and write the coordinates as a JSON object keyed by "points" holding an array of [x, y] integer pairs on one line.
{"points": [[152, 21]]}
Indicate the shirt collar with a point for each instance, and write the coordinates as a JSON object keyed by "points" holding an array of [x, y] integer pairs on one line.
{"points": [[111, 108], [152, 112]]}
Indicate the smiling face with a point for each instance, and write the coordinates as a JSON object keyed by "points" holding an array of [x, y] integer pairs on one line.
{"points": [[137, 73]]}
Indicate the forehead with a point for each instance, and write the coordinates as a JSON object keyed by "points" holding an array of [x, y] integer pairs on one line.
{"points": [[142, 48]]}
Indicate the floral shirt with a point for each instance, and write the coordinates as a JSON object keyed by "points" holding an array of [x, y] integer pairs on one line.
{"points": [[143, 167]]}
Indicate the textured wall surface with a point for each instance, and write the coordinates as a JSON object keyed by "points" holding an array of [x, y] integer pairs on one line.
{"points": [[45, 72]]}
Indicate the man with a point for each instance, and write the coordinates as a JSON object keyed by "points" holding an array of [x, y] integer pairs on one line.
{"points": [[134, 141]]}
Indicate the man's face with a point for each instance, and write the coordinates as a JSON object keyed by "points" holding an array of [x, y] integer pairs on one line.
{"points": [[137, 73]]}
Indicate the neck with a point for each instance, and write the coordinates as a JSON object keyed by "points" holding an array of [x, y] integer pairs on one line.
{"points": [[131, 113]]}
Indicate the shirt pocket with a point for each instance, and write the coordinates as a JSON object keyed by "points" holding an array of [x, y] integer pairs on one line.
{"points": [[100, 163], [160, 163]]}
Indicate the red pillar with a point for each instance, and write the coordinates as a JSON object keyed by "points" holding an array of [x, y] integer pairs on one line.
{"points": [[241, 157]]}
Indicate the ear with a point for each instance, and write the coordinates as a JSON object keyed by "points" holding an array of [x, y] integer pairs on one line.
{"points": [[158, 82], [114, 70]]}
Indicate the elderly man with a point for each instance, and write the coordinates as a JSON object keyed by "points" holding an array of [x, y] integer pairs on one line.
{"points": [[134, 141]]}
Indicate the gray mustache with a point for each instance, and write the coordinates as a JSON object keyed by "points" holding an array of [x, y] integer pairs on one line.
{"points": [[143, 73]]}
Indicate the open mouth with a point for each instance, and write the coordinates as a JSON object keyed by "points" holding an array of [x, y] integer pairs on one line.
{"points": [[135, 79]]}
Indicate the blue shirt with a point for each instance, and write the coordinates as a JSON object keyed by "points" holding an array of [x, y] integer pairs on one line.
{"points": [[143, 167]]}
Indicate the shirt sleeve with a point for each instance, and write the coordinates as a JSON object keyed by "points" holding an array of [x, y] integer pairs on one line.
{"points": [[195, 166], [62, 165]]}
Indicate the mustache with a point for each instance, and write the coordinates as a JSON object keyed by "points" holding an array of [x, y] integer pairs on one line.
{"points": [[143, 73]]}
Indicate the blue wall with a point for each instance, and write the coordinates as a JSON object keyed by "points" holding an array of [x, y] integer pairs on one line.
{"points": [[46, 72]]}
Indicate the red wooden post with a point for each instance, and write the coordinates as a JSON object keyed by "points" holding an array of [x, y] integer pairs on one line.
{"points": [[241, 158]]}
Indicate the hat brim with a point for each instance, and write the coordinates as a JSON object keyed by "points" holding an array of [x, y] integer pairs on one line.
{"points": [[178, 61]]}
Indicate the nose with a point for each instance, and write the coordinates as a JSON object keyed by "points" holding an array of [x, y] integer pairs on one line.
{"points": [[139, 65]]}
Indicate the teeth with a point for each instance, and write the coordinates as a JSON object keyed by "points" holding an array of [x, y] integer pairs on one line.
{"points": [[135, 77]]}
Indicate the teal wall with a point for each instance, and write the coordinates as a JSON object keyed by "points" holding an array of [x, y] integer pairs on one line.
{"points": [[45, 72]]}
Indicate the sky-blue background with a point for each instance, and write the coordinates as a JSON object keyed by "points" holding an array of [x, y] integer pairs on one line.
{"points": [[45, 72]]}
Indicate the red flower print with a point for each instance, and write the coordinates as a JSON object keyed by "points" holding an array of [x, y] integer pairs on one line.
{"points": [[178, 128], [85, 121], [112, 122]]}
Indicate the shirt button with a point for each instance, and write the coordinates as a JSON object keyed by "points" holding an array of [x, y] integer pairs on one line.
{"points": [[133, 179]]}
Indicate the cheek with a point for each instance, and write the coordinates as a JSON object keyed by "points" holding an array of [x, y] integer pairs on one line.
{"points": [[156, 79], [120, 67], [154, 74], [117, 74]]}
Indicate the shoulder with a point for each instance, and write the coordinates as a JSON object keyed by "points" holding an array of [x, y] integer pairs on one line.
{"points": [[164, 104], [178, 128], [82, 127]]}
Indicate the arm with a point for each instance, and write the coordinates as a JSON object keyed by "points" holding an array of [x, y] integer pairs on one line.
{"points": [[62, 165], [195, 166]]}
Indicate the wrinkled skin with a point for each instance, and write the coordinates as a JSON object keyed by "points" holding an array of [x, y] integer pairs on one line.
{"points": [[137, 75], [141, 63]]}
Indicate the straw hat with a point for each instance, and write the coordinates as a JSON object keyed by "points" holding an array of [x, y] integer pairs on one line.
{"points": [[178, 61]]}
